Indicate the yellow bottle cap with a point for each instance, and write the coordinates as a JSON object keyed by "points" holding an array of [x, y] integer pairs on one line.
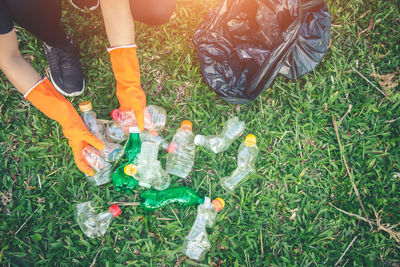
{"points": [[218, 204], [187, 125], [250, 140], [130, 170], [85, 106]]}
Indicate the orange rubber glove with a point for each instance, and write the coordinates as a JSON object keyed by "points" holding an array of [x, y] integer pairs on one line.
{"points": [[130, 94], [46, 98]]}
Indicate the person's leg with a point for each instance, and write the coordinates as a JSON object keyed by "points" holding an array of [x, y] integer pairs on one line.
{"points": [[152, 12], [42, 18], [118, 22], [15, 67]]}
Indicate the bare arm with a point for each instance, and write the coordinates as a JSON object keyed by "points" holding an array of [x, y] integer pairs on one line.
{"points": [[118, 22], [20, 73]]}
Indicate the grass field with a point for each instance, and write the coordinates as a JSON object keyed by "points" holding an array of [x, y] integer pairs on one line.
{"points": [[283, 215]]}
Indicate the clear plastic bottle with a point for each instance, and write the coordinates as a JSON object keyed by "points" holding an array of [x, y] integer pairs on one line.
{"points": [[101, 167], [149, 170], [115, 132], [153, 136], [181, 151], [92, 224], [196, 243], [155, 118], [246, 159], [111, 152], [232, 130]]}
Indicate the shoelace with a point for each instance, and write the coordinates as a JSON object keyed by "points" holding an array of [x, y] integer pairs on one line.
{"points": [[64, 55]]}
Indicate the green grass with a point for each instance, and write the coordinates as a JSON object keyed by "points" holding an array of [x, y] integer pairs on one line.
{"points": [[300, 167]]}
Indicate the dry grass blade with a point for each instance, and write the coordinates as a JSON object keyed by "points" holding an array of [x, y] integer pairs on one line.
{"points": [[386, 81], [124, 203], [380, 227], [344, 253], [365, 78], [348, 169]]}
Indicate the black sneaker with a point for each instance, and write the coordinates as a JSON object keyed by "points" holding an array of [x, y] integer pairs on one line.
{"points": [[85, 5], [65, 69]]}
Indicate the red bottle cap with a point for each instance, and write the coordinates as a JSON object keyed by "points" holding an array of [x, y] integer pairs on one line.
{"points": [[114, 114], [172, 148], [115, 210]]}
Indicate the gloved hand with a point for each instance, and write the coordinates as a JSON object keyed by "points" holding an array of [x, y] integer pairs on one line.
{"points": [[130, 94], [46, 98]]}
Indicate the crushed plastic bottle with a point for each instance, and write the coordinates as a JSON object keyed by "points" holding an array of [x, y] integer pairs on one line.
{"points": [[111, 152], [232, 130], [122, 181], [153, 136], [181, 151], [196, 243], [149, 170], [185, 196], [155, 118], [101, 167], [246, 159], [115, 132], [92, 224]]}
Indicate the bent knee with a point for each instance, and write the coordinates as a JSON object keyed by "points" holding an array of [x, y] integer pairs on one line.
{"points": [[152, 12]]}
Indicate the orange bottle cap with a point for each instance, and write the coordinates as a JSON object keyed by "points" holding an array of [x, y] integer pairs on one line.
{"points": [[187, 125], [250, 140], [130, 170], [218, 204], [85, 106]]}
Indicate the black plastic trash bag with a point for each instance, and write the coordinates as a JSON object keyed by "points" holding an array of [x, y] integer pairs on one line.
{"points": [[245, 44]]}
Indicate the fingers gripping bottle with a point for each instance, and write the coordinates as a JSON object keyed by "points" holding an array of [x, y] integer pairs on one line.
{"points": [[185, 196], [246, 159], [196, 243], [233, 128], [111, 152], [149, 170], [92, 224], [155, 118], [180, 158], [101, 167]]}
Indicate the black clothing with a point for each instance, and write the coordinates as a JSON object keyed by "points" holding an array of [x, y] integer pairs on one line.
{"points": [[42, 17]]}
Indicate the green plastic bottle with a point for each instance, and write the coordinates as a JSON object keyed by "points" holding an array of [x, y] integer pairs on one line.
{"points": [[121, 180], [132, 148], [185, 196]]}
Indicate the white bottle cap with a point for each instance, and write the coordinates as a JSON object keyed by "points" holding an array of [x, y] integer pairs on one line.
{"points": [[134, 129]]}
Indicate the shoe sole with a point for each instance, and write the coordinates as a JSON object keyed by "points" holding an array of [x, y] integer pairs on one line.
{"points": [[84, 10], [64, 93]]}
